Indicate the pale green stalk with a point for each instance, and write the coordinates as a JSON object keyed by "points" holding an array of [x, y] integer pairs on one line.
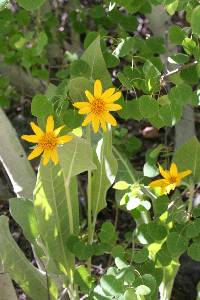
{"points": [[73, 289], [190, 204], [89, 205], [169, 274]]}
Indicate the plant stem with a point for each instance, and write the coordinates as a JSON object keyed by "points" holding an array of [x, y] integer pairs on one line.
{"points": [[89, 205], [190, 204], [169, 274], [73, 290]]}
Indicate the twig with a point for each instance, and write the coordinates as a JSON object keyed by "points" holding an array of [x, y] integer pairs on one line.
{"points": [[168, 74]]}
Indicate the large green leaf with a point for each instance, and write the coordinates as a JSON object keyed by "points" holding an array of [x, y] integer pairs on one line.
{"points": [[105, 174], [94, 58], [125, 172], [30, 5], [188, 157], [56, 200], [22, 210], [31, 280], [77, 87]]}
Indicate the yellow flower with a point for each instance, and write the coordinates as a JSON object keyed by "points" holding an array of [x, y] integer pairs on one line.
{"points": [[171, 179], [47, 141], [98, 106]]}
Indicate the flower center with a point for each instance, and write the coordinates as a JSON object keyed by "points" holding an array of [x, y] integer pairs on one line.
{"points": [[98, 106], [48, 141], [173, 180]]}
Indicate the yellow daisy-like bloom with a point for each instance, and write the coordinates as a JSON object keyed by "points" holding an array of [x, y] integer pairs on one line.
{"points": [[47, 141], [98, 106], [171, 179]]}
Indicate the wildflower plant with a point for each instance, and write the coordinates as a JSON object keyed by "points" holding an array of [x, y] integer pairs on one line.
{"points": [[143, 261]]}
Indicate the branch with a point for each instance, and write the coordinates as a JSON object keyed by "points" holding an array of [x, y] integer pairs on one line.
{"points": [[170, 73]]}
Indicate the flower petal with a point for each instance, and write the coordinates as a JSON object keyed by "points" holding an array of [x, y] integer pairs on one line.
{"points": [[158, 183], [170, 187], [184, 174], [30, 138], [103, 125], [46, 157], [109, 92], [109, 118], [54, 156], [85, 110], [164, 173], [97, 88], [173, 170], [87, 120], [95, 124], [113, 107], [64, 139], [89, 96], [80, 104], [113, 98], [37, 130], [58, 130], [36, 152], [50, 124]]}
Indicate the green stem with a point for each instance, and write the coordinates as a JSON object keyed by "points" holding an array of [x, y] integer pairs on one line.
{"points": [[69, 207], [89, 205], [190, 204], [73, 289], [169, 274]]}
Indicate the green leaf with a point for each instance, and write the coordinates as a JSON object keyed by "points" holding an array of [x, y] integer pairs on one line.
{"points": [[94, 58], [125, 171], [77, 87], [195, 20], [157, 231], [180, 94], [22, 210], [14, 262], [72, 119], [121, 263], [56, 199], [146, 280], [121, 185], [118, 251], [41, 106], [111, 286], [163, 256], [130, 294], [189, 45], [176, 35], [187, 157], [193, 251], [141, 255], [148, 106], [75, 158], [171, 6], [193, 229], [80, 68], [179, 58], [30, 5], [176, 244], [160, 205], [108, 233], [105, 174], [125, 47], [83, 279], [142, 290]]}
